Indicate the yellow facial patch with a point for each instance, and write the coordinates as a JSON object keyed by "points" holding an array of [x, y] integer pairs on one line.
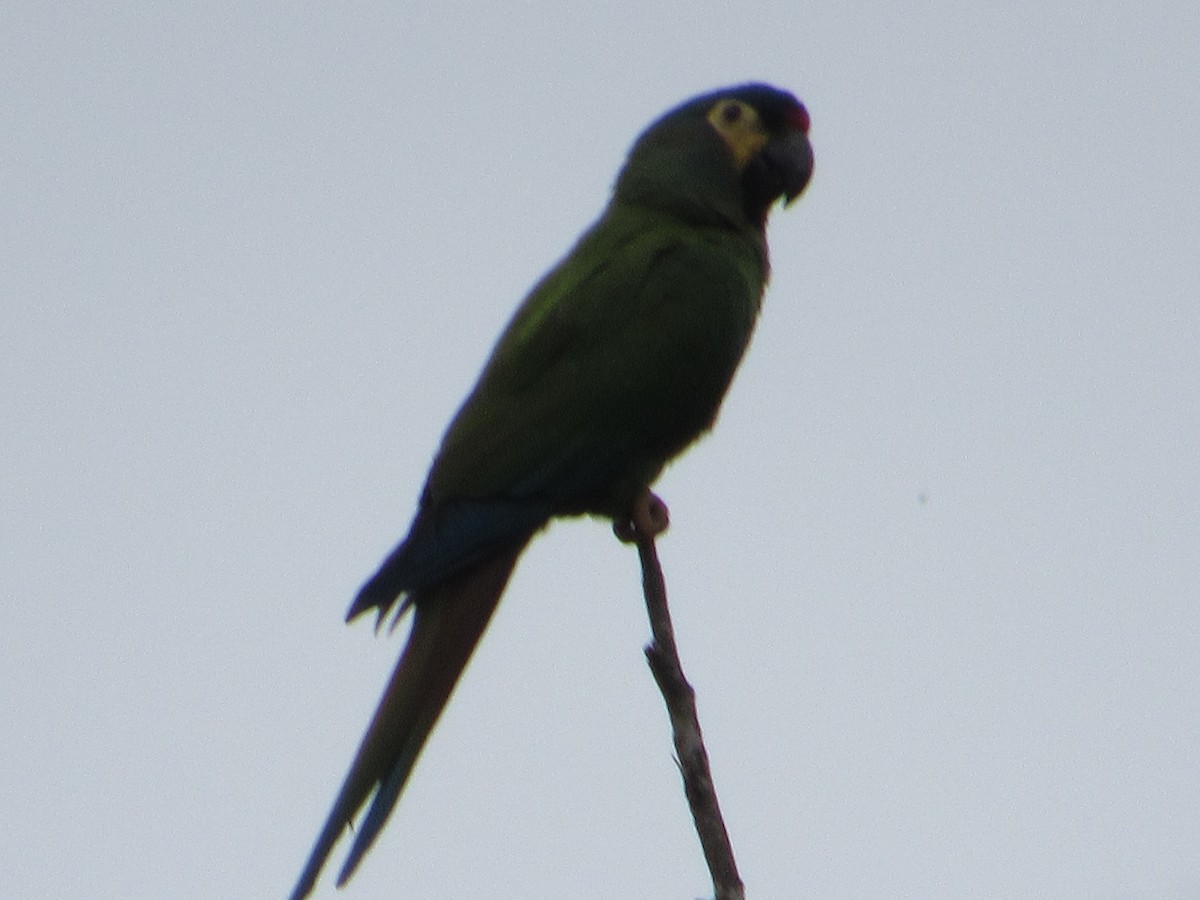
{"points": [[740, 128]]}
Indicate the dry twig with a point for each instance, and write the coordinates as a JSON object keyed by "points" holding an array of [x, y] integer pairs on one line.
{"points": [[650, 519]]}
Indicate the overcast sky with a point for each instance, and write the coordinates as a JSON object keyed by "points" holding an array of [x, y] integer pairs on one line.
{"points": [[936, 575]]}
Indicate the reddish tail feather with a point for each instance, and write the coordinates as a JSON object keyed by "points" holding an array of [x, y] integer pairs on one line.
{"points": [[447, 623]]}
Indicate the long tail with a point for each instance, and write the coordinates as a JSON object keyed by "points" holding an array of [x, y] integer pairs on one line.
{"points": [[447, 624]]}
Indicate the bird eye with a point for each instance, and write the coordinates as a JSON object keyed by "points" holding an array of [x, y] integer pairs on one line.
{"points": [[731, 112]]}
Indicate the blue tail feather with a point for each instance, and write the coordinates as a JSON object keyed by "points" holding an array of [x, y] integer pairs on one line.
{"points": [[440, 544]]}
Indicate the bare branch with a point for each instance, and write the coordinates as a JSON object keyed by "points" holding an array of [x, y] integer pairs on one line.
{"points": [[663, 656]]}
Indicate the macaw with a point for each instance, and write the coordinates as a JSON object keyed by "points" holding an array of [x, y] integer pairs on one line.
{"points": [[616, 361]]}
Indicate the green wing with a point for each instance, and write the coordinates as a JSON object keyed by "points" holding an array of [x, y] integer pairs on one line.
{"points": [[616, 361]]}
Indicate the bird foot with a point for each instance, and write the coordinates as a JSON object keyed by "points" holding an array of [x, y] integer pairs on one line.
{"points": [[648, 518]]}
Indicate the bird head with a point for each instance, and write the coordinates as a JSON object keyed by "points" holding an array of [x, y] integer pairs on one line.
{"points": [[729, 155]]}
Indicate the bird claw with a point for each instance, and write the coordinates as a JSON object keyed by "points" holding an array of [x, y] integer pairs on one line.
{"points": [[648, 518]]}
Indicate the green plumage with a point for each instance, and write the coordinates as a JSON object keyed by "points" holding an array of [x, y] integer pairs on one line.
{"points": [[617, 360]]}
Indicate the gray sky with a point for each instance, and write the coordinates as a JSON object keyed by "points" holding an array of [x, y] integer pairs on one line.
{"points": [[936, 575]]}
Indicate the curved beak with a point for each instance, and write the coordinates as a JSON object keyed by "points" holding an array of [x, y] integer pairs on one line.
{"points": [[790, 158]]}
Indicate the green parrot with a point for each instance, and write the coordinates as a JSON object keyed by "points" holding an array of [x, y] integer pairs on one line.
{"points": [[616, 361]]}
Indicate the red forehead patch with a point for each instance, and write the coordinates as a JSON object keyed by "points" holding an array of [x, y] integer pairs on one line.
{"points": [[797, 117]]}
